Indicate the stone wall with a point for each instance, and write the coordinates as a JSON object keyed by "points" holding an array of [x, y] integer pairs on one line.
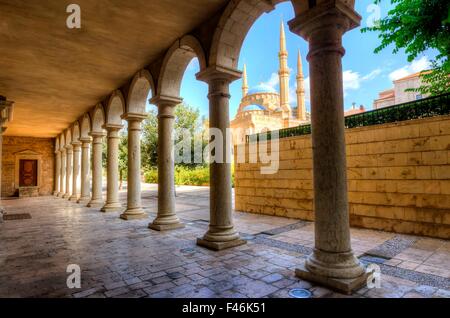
{"points": [[42, 147], [398, 178]]}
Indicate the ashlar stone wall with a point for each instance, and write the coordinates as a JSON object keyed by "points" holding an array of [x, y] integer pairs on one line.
{"points": [[42, 147], [398, 178]]}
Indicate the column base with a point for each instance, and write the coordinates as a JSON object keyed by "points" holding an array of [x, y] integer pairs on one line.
{"points": [[111, 207], [66, 196], [85, 200], [343, 285], [55, 193], [95, 204], [133, 214], [73, 198], [166, 227], [165, 223], [60, 194], [218, 246]]}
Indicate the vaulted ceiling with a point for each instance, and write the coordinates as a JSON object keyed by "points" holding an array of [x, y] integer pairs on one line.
{"points": [[54, 74]]}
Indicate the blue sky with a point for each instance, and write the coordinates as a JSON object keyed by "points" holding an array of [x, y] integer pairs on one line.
{"points": [[365, 73]]}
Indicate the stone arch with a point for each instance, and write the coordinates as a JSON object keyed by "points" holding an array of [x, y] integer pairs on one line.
{"points": [[175, 62], [140, 87], [76, 132], [234, 24], [98, 119], [85, 128], [68, 136], [115, 108]]}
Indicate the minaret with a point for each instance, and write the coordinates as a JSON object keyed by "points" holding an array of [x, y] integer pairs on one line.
{"points": [[283, 73], [244, 82], [301, 107]]}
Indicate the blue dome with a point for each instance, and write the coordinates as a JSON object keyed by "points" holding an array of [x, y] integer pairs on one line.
{"points": [[253, 107], [261, 88]]}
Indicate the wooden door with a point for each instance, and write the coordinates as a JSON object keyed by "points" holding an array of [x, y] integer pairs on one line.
{"points": [[28, 173]]}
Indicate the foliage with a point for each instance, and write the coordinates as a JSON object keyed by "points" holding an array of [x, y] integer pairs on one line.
{"points": [[418, 25], [149, 140], [123, 157], [198, 176], [186, 117], [192, 176]]}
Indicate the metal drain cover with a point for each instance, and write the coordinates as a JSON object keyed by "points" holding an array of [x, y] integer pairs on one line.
{"points": [[300, 293]]}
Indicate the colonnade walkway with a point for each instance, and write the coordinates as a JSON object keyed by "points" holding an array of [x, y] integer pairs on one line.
{"points": [[126, 259]]}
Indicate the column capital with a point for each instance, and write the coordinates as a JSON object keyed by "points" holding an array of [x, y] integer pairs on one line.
{"points": [[68, 147], [217, 72], [336, 13], [76, 145], [134, 116], [85, 141], [112, 127], [165, 100], [95, 134]]}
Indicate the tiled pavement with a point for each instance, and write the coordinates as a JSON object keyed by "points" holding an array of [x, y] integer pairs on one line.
{"points": [[125, 259]]}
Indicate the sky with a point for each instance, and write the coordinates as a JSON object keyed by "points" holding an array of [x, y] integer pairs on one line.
{"points": [[365, 73]]}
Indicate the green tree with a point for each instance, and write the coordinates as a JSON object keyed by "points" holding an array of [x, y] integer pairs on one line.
{"points": [[149, 140], [418, 25], [186, 117], [123, 157]]}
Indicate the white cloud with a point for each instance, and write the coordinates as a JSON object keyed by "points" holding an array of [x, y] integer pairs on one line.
{"points": [[272, 82], [417, 65], [351, 80], [421, 64], [372, 74]]}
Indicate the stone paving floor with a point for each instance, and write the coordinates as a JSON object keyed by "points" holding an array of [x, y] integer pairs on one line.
{"points": [[125, 259]]}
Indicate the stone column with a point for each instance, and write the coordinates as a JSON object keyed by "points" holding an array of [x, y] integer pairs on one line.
{"points": [[2, 130], [85, 192], [97, 150], [134, 206], [166, 218], [221, 233], [112, 162], [332, 263], [57, 173], [69, 160], [62, 180], [76, 170]]}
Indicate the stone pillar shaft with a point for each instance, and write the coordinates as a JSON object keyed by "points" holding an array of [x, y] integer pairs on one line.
{"points": [[97, 150], [134, 206], [166, 218], [112, 166], [85, 192], [69, 168], [76, 170], [332, 262], [221, 233], [57, 173], [62, 180]]}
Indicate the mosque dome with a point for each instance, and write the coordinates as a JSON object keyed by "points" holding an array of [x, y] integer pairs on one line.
{"points": [[253, 107], [261, 88]]}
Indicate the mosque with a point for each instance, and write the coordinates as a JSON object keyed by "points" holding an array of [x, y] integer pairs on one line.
{"points": [[262, 108]]}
